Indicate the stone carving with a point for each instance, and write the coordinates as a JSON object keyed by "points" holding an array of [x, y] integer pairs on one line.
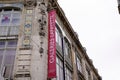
{"points": [[42, 21], [42, 8], [30, 3]]}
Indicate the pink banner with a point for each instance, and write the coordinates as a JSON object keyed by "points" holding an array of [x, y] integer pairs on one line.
{"points": [[51, 45]]}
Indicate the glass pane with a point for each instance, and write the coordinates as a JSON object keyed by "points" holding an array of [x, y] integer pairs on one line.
{"points": [[61, 74], [5, 19], [56, 33], [57, 60], [2, 44], [9, 59], [12, 43], [16, 15], [1, 52], [3, 30], [15, 21], [58, 72], [60, 41], [14, 30], [10, 52]]}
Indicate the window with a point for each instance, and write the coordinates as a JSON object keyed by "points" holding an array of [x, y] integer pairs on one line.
{"points": [[9, 22], [68, 75], [79, 64], [58, 36], [7, 57], [12, 43], [9, 26], [59, 69], [67, 48], [3, 30], [5, 19], [14, 30], [15, 19]]}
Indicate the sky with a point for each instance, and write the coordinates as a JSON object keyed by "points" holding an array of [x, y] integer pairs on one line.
{"points": [[97, 23]]}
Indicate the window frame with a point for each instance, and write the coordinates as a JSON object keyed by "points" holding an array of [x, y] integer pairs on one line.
{"points": [[6, 54], [10, 28]]}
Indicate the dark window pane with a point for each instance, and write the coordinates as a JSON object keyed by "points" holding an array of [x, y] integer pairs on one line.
{"points": [[2, 44], [7, 9], [12, 43], [0, 10]]}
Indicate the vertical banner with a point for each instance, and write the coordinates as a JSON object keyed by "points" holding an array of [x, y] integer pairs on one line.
{"points": [[51, 45]]}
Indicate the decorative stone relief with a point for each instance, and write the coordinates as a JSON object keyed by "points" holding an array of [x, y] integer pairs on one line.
{"points": [[30, 3], [42, 21]]}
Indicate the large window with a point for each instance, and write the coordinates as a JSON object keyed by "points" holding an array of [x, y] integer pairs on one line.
{"points": [[7, 57], [59, 69], [9, 21], [10, 15]]}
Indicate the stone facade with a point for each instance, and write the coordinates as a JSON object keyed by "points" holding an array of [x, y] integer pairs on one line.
{"points": [[31, 57]]}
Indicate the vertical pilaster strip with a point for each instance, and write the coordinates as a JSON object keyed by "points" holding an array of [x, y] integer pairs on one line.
{"points": [[74, 63]]}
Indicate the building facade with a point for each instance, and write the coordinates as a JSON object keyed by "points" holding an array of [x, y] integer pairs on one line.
{"points": [[118, 5], [32, 50]]}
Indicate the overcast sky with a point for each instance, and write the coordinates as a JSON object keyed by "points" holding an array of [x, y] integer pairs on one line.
{"points": [[97, 23]]}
